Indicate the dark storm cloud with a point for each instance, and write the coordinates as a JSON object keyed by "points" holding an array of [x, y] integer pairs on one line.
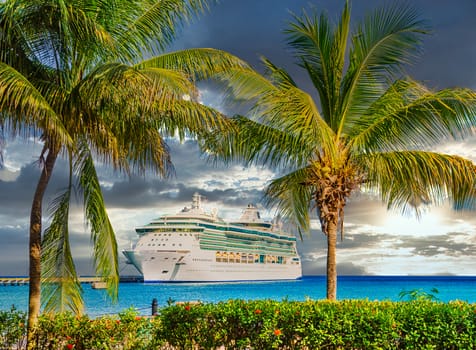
{"points": [[450, 46], [250, 28], [13, 250], [190, 169], [16, 195]]}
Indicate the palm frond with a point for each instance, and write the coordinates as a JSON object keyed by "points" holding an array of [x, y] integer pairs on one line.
{"points": [[252, 142], [410, 116], [244, 86], [102, 234], [24, 105], [61, 287], [144, 150], [152, 25], [294, 111], [117, 89], [388, 39], [321, 50], [14, 49], [288, 116], [278, 76], [86, 41], [197, 64], [291, 198], [410, 179], [189, 118]]}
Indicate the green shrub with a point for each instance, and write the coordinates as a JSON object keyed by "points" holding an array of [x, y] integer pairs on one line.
{"points": [[125, 331], [259, 324], [12, 328]]}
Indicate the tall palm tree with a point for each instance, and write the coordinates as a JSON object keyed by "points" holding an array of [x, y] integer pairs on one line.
{"points": [[93, 79], [368, 127]]}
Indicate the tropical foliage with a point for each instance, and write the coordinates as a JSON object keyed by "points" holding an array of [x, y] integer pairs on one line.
{"points": [[260, 324], [93, 81], [369, 126]]}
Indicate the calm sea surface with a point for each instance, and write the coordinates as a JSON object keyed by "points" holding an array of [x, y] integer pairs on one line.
{"points": [[140, 296]]}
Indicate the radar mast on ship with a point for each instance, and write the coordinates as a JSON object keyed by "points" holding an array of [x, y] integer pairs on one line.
{"points": [[196, 201]]}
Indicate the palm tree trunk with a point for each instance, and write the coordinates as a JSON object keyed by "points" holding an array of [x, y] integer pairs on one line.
{"points": [[34, 301], [331, 259]]}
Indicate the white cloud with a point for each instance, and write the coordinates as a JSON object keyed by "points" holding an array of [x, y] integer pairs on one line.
{"points": [[19, 152]]}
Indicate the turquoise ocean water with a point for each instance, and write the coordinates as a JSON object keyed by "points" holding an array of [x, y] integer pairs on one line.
{"points": [[139, 296]]}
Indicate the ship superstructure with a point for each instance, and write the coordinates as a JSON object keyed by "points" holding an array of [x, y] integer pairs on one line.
{"points": [[196, 246]]}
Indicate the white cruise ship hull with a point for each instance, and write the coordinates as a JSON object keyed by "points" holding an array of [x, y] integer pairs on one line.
{"points": [[166, 267]]}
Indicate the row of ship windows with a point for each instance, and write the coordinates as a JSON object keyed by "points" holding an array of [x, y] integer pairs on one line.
{"points": [[276, 236], [241, 241], [169, 234], [249, 258], [178, 230], [158, 244], [255, 246], [156, 239], [213, 227]]}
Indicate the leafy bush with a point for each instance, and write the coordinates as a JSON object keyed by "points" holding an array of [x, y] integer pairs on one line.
{"points": [[260, 324], [12, 328], [349, 324], [125, 331]]}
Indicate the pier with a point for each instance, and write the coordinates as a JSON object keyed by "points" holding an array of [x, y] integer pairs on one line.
{"points": [[13, 281], [20, 281]]}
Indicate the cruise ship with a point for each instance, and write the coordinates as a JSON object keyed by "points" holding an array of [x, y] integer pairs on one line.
{"points": [[198, 246]]}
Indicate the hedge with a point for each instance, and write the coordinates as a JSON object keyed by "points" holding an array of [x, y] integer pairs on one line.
{"points": [[259, 324]]}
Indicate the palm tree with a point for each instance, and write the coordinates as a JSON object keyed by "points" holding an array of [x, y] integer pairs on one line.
{"points": [[368, 127], [93, 80]]}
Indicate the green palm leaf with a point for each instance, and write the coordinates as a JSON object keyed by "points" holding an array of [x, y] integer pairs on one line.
{"points": [[255, 142], [386, 41], [192, 119], [152, 24], [409, 115], [433, 178], [61, 287], [291, 198], [278, 76], [23, 105], [102, 233], [304, 120], [199, 63], [321, 52]]}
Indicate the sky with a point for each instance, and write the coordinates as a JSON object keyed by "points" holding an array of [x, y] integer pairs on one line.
{"points": [[376, 242]]}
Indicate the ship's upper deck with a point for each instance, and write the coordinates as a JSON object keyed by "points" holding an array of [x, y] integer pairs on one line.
{"points": [[250, 220]]}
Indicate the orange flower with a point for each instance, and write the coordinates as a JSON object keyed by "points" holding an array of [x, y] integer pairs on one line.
{"points": [[277, 332], [138, 318], [187, 307], [257, 311]]}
